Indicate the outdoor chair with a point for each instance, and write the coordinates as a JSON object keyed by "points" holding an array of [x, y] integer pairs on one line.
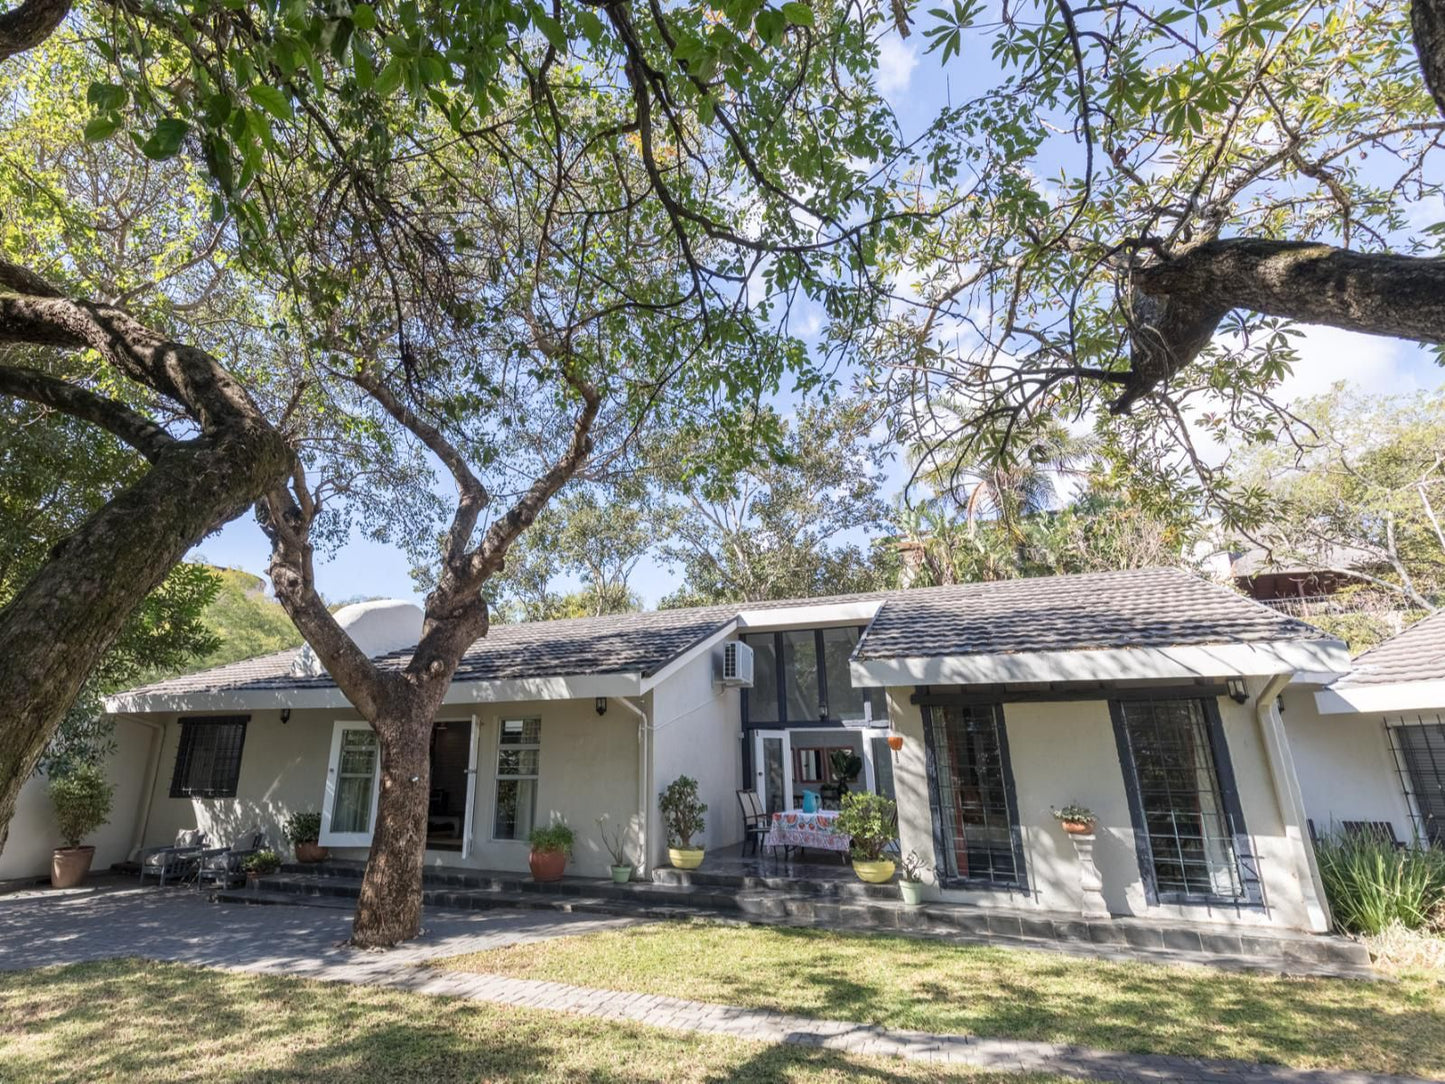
{"points": [[174, 863], [756, 821], [222, 866], [831, 795]]}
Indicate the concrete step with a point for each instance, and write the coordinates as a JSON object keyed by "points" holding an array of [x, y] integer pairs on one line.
{"points": [[1296, 953], [843, 888]]}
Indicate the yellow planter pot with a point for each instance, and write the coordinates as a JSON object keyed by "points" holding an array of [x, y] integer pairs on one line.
{"points": [[685, 859], [875, 873]]}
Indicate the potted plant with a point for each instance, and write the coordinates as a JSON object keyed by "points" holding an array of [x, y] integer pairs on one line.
{"points": [[260, 864], [910, 878], [551, 847], [614, 839], [1077, 820], [682, 817], [82, 798], [870, 820], [847, 767], [304, 830]]}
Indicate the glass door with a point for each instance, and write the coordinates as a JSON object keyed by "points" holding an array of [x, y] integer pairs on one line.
{"points": [[773, 766], [349, 809]]}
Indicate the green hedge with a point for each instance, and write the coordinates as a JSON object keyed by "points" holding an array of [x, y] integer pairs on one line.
{"points": [[1371, 884]]}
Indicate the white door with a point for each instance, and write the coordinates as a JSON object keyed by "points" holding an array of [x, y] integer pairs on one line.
{"points": [[471, 792], [348, 812], [773, 768]]}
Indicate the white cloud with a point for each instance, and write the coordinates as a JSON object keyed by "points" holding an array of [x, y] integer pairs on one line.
{"points": [[1372, 363], [896, 62]]}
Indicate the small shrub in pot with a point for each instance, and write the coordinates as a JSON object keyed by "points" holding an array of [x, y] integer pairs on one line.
{"points": [[682, 817], [303, 829], [871, 821], [551, 846], [82, 798]]}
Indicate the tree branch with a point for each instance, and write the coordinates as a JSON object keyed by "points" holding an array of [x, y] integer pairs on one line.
{"points": [[1427, 22], [28, 25], [118, 419]]}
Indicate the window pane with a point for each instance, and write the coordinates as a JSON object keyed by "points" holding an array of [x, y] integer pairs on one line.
{"points": [[763, 696], [883, 768], [208, 758], [355, 779], [802, 695], [773, 775], [517, 762], [521, 731], [978, 830], [1423, 750], [1191, 841], [516, 808], [844, 701]]}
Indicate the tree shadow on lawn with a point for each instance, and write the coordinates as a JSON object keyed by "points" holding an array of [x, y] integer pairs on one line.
{"points": [[142, 1021]]}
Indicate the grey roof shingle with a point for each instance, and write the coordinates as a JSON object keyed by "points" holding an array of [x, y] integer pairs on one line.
{"points": [[1146, 608], [1157, 607], [1417, 654]]}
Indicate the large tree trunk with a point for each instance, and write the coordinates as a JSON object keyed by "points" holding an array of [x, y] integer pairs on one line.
{"points": [[389, 910], [1427, 21], [56, 629]]}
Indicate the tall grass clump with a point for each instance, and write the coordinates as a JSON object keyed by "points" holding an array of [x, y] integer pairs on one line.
{"points": [[1372, 885]]}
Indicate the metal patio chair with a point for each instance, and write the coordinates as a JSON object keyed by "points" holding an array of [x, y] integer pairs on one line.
{"points": [[756, 821], [223, 866], [174, 863]]}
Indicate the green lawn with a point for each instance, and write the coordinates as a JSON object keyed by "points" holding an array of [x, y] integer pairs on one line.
{"points": [[1393, 1027], [135, 1021]]}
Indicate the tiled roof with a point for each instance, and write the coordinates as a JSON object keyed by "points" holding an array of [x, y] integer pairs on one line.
{"points": [[1148, 608], [1157, 607], [1417, 654]]}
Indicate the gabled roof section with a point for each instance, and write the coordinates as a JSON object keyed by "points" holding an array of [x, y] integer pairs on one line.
{"points": [[1133, 612], [1144, 608], [1417, 654]]}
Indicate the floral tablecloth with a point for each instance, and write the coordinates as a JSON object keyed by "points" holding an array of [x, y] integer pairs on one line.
{"points": [[798, 829]]}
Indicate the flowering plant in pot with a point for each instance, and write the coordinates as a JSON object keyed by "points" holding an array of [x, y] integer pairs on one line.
{"points": [[1076, 819], [910, 878], [82, 798], [304, 830], [870, 820], [260, 864], [551, 847], [682, 817], [615, 840]]}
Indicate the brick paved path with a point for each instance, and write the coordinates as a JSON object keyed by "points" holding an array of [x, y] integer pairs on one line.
{"points": [[305, 942]]}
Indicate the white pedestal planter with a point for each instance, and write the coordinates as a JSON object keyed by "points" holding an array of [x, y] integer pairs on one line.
{"points": [[1091, 884]]}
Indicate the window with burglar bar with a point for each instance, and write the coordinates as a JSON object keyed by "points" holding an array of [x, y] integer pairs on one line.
{"points": [[208, 761], [976, 832], [1187, 821], [1420, 759], [519, 751]]}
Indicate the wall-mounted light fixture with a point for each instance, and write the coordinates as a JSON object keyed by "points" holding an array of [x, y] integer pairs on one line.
{"points": [[1238, 692], [285, 716], [602, 705]]}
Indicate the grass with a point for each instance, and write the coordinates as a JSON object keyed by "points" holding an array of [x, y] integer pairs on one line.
{"points": [[1387, 1027], [137, 1021]]}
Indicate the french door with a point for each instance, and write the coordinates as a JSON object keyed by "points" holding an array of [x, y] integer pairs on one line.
{"points": [[773, 761], [348, 812]]}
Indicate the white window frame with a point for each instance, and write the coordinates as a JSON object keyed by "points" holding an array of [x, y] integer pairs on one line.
{"points": [[498, 778], [346, 839]]}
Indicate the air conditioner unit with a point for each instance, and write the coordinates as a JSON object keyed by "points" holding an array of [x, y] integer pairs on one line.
{"points": [[735, 665]]}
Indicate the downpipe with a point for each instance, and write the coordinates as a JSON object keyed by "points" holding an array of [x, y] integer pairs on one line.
{"points": [[644, 734]]}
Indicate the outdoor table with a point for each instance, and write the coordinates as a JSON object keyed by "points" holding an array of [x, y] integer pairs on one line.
{"points": [[798, 829]]}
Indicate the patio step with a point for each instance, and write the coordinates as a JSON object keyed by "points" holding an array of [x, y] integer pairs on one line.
{"points": [[335, 883], [850, 888]]}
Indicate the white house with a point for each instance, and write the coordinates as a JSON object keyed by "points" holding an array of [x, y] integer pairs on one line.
{"points": [[1152, 697]]}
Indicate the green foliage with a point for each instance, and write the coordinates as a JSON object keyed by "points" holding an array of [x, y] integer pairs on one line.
{"points": [[847, 766], [1372, 885], [82, 798], [553, 838], [245, 621], [913, 868], [303, 827], [1079, 814], [614, 839], [872, 822], [682, 812], [262, 862]]}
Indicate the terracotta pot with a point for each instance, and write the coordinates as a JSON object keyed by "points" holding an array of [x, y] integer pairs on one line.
{"points": [[547, 865], [1078, 828], [311, 852], [69, 865], [895, 742]]}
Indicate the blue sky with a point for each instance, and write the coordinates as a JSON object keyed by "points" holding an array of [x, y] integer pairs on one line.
{"points": [[917, 87]]}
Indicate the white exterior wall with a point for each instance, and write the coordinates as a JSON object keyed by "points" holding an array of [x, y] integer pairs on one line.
{"points": [[33, 834], [697, 731], [1346, 766], [588, 767], [1065, 751]]}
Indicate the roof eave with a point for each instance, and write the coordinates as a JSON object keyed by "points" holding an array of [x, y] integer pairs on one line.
{"points": [[1383, 697], [1183, 662]]}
